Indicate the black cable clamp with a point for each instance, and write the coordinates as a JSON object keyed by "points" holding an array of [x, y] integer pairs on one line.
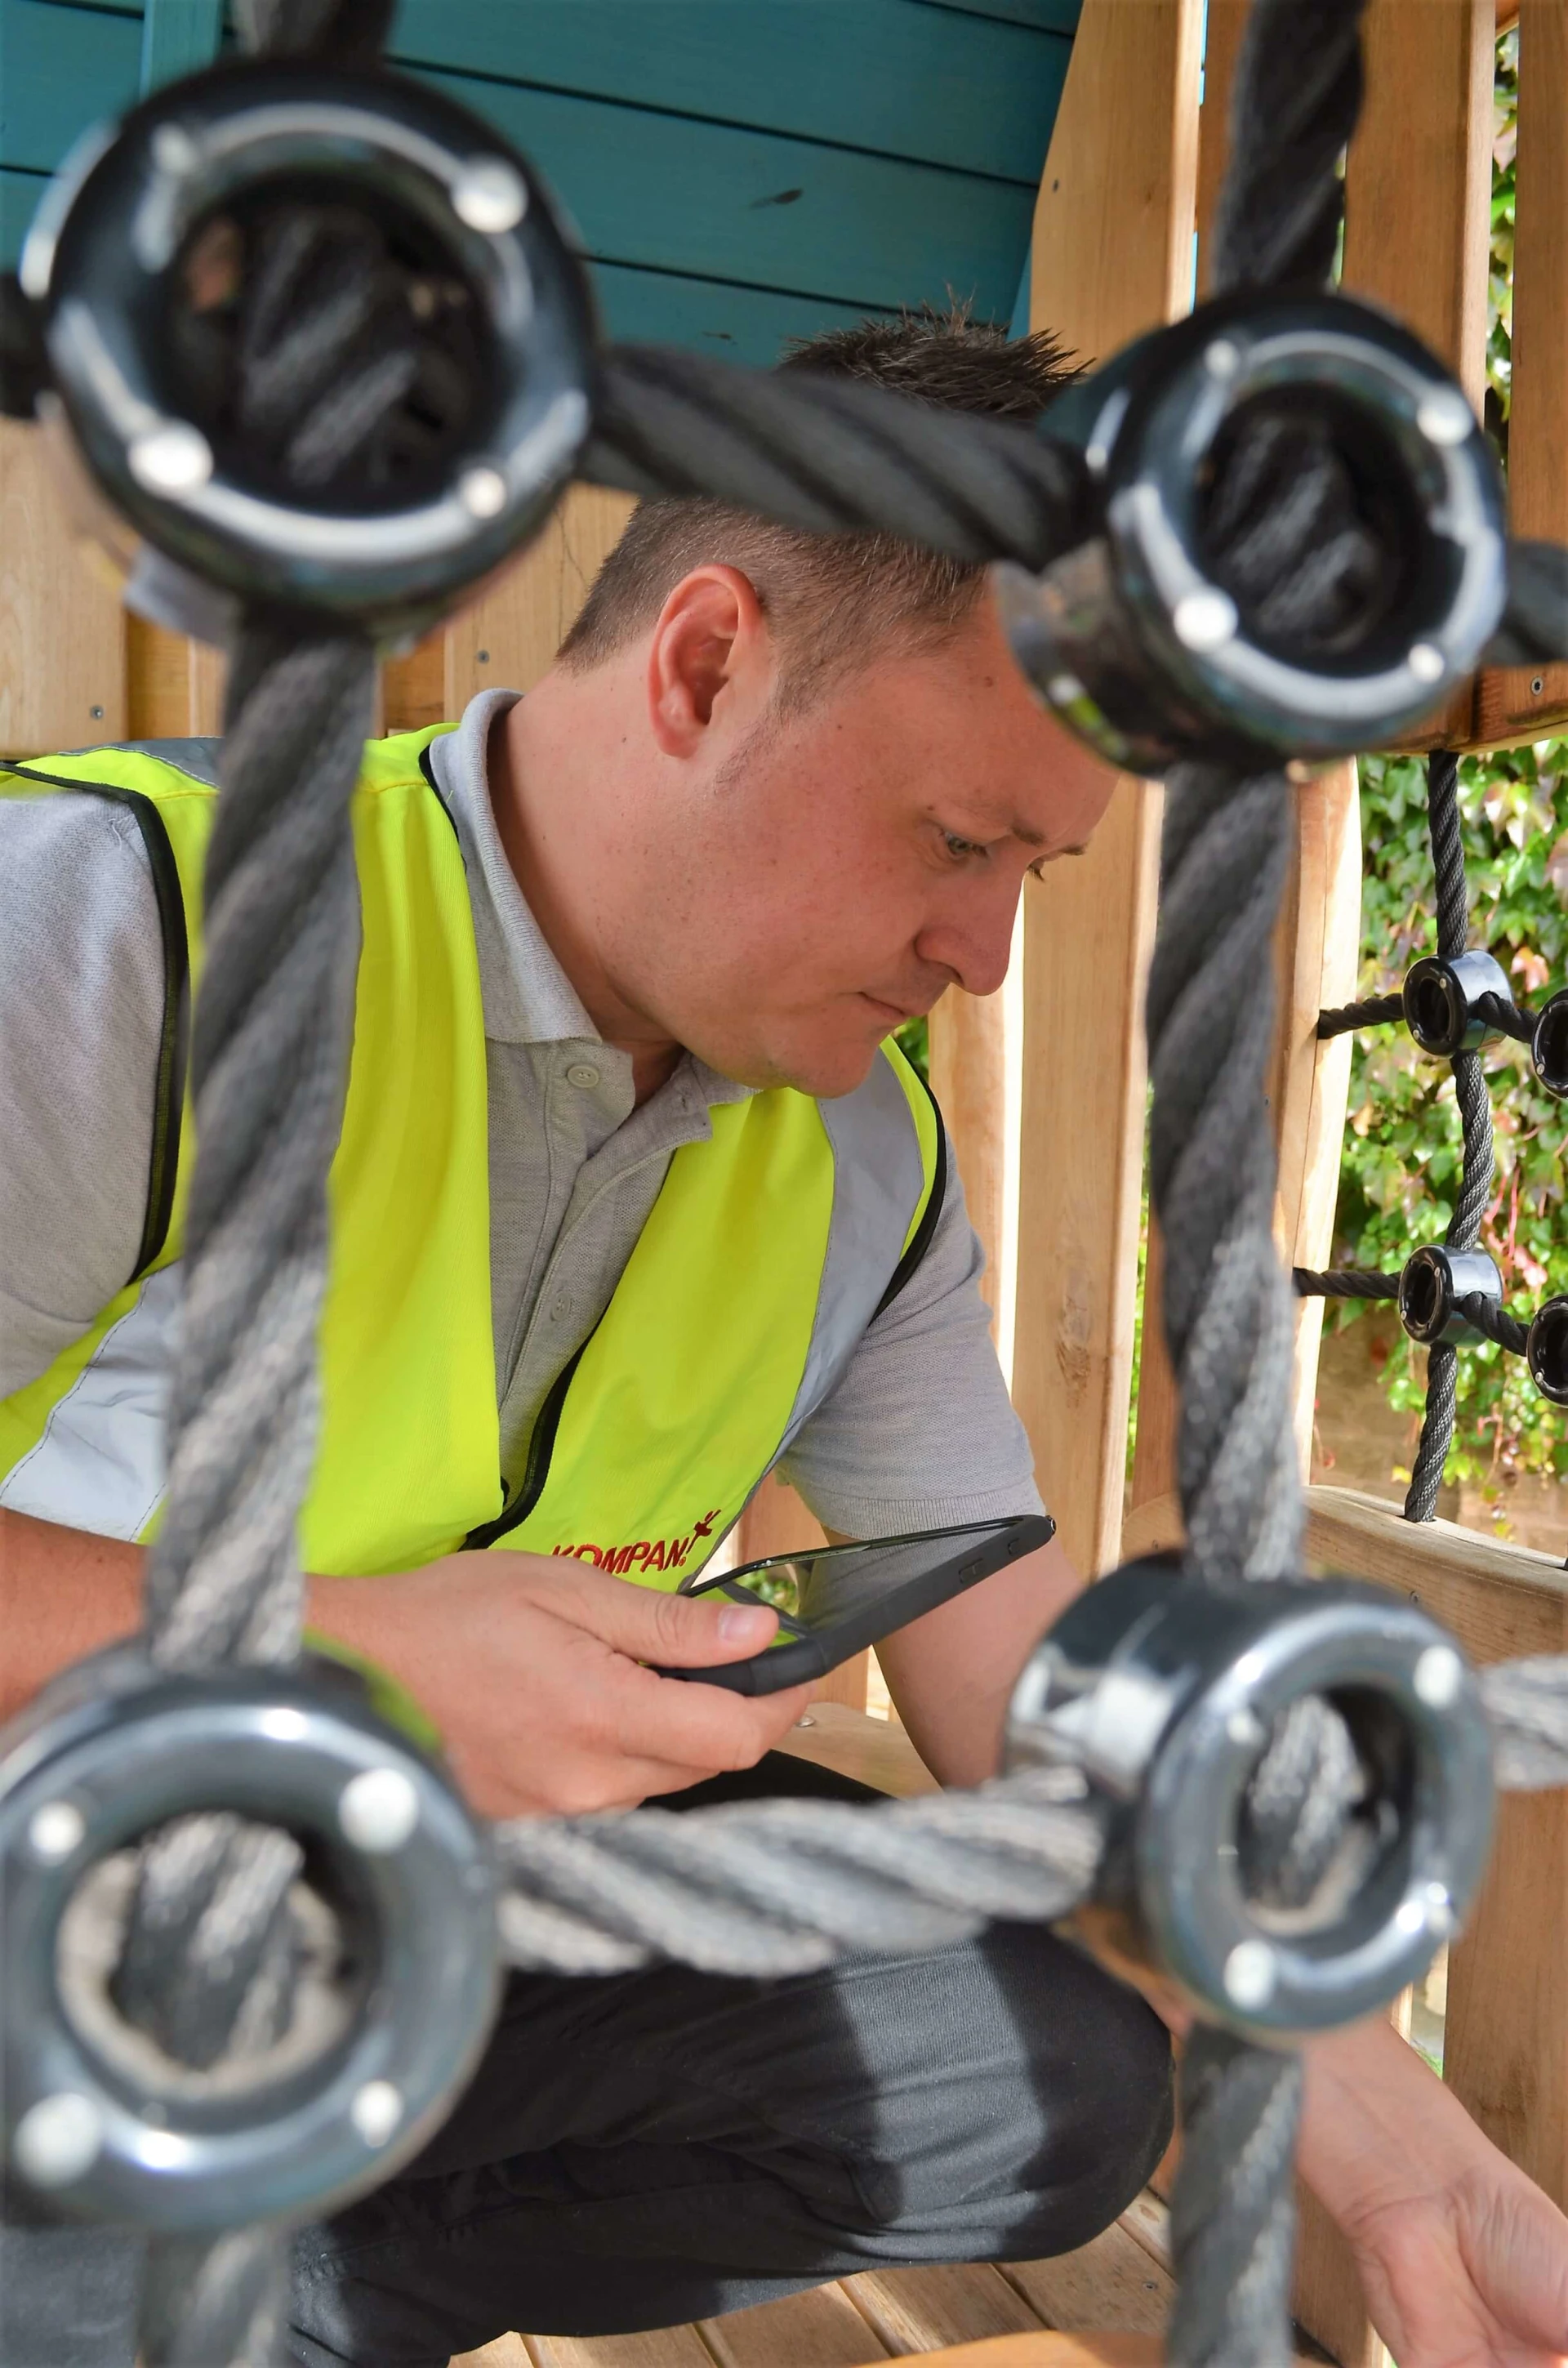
{"points": [[1431, 1285], [136, 265], [1165, 1690], [396, 1917], [1549, 1045], [1546, 1346], [1441, 999], [1136, 641]]}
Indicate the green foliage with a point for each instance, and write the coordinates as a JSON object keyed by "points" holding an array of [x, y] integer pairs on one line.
{"points": [[1504, 140], [1401, 1166], [914, 1040]]}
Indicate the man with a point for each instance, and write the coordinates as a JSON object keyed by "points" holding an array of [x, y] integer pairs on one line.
{"points": [[631, 1204]]}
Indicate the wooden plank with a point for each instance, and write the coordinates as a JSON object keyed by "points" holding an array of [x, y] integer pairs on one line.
{"points": [[917, 2310], [713, 201], [66, 68], [1111, 2281], [1221, 49], [506, 2351], [413, 687], [665, 2347], [1147, 2220], [62, 630], [884, 75], [174, 685], [1418, 201], [1522, 702], [977, 1078], [821, 2328], [1101, 2349], [1112, 255], [509, 637], [715, 315], [178, 37], [875, 1751], [1509, 2069]]}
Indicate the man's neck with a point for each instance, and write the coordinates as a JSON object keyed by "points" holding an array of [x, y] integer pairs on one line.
{"points": [[531, 742]]}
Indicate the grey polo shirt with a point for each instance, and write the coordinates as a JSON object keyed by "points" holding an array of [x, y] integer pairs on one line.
{"points": [[918, 1431]]}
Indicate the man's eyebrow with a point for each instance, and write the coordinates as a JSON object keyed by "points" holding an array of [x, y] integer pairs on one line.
{"points": [[1030, 837]]}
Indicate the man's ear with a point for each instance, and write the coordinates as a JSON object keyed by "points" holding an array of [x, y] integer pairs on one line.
{"points": [[711, 630]]}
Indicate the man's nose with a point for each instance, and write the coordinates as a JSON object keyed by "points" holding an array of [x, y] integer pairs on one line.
{"points": [[975, 949]]}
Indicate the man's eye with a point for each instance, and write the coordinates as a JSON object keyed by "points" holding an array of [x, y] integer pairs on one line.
{"points": [[960, 850]]}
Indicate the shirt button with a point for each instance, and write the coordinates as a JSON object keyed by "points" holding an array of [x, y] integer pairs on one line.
{"points": [[584, 1074], [560, 1312]]}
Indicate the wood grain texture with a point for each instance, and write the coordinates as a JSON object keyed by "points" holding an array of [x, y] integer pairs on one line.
{"points": [[971, 1061], [663, 2347], [818, 2330], [1517, 700], [875, 1751], [1505, 2047], [508, 637], [1111, 2281], [918, 2310], [1418, 202], [1112, 255], [62, 629]]}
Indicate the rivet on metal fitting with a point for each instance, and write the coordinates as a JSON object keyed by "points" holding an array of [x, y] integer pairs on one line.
{"points": [[1425, 660], [1444, 416], [57, 2139], [376, 2111], [173, 458], [489, 196], [1438, 1676], [1246, 1730], [1205, 620], [173, 150], [1251, 1972], [1440, 1917], [377, 1810], [55, 1830], [482, 492], [1221, 358]]}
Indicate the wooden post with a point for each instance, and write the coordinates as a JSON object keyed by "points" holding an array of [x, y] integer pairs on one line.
{"points": [[977, 1077], [1525, 701], [1112, 256], [511, 633], [61, 632]]}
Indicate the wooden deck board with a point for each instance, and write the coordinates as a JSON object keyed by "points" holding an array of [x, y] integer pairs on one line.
{"points": [[1111, 2283], [820, 2329], [918, 2310]]}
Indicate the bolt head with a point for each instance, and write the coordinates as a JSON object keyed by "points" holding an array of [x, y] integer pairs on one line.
{"points": [[173, 458], [376, 2111], [1246, 1730], [1444, 418], [490, 195], [1425, 660], [174, 151], [1438, 1676], [378, 1810], [55, 1830], [1205, 620], [57, 2140], [1251, 1973], [1221, 357], [482, 491]]}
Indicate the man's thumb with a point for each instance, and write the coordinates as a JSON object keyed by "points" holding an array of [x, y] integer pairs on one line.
{"points": [[683, 1632]]}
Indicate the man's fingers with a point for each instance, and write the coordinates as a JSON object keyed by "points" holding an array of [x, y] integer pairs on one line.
{"points": [[669, 1718], [680, 1631]]}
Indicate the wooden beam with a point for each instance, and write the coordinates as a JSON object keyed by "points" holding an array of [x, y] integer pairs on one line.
{"points": [[1112, 256], [1418, 203], [977, 1078], [509, 636], [1527, 702], [1505, 2046], [62, 629]]}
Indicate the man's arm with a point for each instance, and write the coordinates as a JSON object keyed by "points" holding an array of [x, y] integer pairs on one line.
{"points": [[533, 1670]]}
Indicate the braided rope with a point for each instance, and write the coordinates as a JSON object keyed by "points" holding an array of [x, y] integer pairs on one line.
{"points": [[1377, 1012], [1344, 1282]]}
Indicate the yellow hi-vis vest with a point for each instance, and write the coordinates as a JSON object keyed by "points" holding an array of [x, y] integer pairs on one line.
{"points": [[770, 1250]]}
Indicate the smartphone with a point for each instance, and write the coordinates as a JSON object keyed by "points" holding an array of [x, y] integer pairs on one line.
{"points": [[833, 1603]]}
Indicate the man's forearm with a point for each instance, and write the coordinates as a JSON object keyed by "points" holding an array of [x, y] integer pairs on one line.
{"points": [[62, 1593], [952, 1673], [1378, 2126]]}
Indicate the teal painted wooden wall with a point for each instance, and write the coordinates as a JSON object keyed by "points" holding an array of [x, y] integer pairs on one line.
{"points": [[740, 171]]}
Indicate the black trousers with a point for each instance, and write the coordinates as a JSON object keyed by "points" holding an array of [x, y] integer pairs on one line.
{"points": [[665, 2145]]}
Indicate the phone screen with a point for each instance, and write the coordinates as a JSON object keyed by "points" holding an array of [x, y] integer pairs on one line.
{"points": [[812, 1593]]}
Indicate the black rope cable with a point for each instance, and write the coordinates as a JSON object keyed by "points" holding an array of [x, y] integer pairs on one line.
{"points": [[1377, 1012], [1344, 1282]]}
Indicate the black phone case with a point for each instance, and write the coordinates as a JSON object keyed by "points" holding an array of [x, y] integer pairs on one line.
{"points": [[781, 1666]]}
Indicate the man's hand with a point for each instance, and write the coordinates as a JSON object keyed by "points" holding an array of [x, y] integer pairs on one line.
{"points": [[1463, 2259], [531, 1668]]}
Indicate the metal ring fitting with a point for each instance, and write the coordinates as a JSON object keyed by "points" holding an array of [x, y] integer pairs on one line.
{"points": [[140, 252], [1549, 1045], [1135, 640], [99, 2123], [1440, 999], [1164, 1692], [1546, 1346], [1431, 1284]]}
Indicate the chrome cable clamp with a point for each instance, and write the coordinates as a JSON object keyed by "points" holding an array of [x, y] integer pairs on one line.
{"points": [[1433, 1282]]}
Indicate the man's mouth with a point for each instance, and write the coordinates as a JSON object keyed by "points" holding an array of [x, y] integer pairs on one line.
{"points": [[894, 1014]]}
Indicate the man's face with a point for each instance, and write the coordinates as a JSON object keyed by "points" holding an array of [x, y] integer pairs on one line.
{"points": [[824, 874]]}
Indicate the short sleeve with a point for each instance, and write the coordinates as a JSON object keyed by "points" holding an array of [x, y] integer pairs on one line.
{"points": [[920, 1431], [81, 1021]]}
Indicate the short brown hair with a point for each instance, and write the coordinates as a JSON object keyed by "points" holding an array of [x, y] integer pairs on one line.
{"points": [[829, 597]]}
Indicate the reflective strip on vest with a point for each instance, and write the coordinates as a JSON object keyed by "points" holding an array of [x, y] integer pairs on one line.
{"points": [[762, 1262]]}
